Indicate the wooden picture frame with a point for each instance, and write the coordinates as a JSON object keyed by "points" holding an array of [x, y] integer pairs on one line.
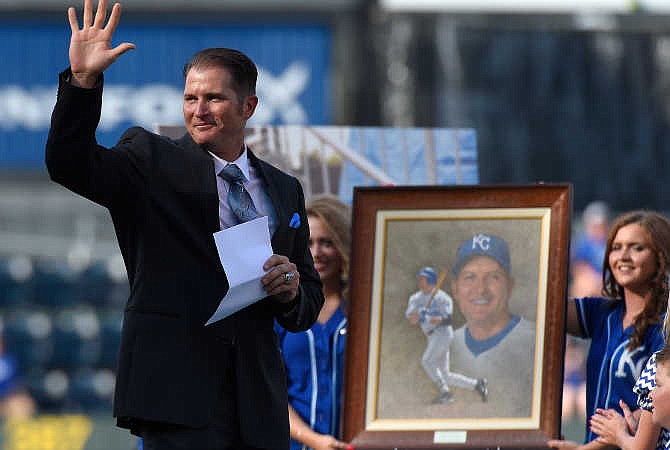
{"points": [[397, 231]]}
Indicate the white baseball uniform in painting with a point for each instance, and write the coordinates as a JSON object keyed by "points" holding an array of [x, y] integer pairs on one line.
{"points": [[507, 358], [435, 322]]}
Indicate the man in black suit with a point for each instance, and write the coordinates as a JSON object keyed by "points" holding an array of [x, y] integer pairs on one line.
{"points": [[182, 385]]}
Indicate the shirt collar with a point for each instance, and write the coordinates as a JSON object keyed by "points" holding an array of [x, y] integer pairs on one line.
{"points": [[478, 347], [242, 162]]}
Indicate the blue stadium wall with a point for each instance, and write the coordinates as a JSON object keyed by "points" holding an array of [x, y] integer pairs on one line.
{"points": [[144, 87]]}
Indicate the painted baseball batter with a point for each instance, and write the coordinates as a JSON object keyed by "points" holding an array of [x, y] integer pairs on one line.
{"points": [[431, 308], [494, 343]]}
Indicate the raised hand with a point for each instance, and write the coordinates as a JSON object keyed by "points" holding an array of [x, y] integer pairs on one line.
{"points": [[90, 46]]}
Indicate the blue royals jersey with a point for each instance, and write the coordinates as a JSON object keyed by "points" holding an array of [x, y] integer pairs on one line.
{"points": [[314, 360], [611, 368]]}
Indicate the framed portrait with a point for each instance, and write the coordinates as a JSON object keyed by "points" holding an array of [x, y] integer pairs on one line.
{"points": [[457, 316]]}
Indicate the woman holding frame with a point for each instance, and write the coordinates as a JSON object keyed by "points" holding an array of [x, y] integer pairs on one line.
{"points": [[625, 325]]}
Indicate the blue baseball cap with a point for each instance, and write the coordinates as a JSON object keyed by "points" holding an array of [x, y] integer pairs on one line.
{"points": [[483, 245], [429, 273]]}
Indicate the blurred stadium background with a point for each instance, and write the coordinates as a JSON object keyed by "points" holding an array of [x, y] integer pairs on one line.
{"points": [[575, 91]]}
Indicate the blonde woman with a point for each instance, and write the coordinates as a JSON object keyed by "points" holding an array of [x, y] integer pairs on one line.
{"points": [[314, 358]]}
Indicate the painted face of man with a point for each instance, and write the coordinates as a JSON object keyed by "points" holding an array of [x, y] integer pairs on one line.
{"points": [[482, 289], [423, 284]]}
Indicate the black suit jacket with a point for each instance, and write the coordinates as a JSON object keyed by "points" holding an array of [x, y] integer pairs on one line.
{"points": [[163, 201]]}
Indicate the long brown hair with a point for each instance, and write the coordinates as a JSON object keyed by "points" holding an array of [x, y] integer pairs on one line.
{"points": [[336, 218], [658, 229]]}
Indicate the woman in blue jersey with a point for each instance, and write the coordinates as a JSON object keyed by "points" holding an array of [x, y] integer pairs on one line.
{"points": [[636, 431], [314, 358], [625, 325]]}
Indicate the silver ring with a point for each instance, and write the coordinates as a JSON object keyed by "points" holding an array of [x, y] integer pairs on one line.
{"points": [[289, 277]]}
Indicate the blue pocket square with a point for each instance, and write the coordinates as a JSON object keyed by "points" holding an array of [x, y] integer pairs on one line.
{"points": [[295, 220]]}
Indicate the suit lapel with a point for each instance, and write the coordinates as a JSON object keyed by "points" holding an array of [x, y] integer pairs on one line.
{"points": [[272, 190], [206, 183]]}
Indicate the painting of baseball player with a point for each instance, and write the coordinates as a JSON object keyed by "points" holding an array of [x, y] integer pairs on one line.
{"points": [[432, 309], [493, 344]]}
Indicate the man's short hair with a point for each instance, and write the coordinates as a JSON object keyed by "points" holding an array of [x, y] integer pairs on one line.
{"points": [[483, 244], [241, 68], [429, 273]]}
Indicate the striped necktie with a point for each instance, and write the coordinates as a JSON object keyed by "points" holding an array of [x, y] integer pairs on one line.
{"points": [[239, 200]]}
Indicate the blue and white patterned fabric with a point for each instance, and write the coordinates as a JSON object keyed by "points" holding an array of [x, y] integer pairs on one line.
{"points": [[643, 387], [611, 367]]}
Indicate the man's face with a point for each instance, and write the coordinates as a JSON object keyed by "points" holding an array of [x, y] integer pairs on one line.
{"points": [[213, 112], [660, 396], [482, 289], [423, 284]]}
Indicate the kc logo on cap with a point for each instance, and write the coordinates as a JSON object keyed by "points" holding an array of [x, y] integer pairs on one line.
{"points": [[482, 241], [483, 244]]}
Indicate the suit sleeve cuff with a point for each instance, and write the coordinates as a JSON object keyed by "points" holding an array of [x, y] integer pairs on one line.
{"points": [[66, 78], [287, 307]]}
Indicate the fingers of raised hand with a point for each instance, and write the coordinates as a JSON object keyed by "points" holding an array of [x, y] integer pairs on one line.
{"points": [[72, 18], [88, 13], [100, 16], [113, 18]]}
